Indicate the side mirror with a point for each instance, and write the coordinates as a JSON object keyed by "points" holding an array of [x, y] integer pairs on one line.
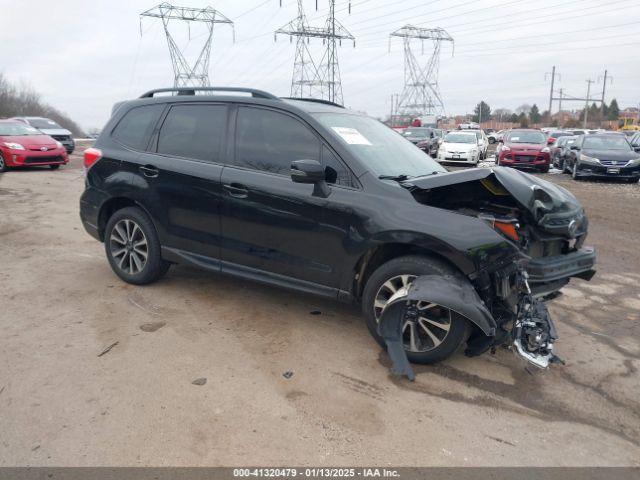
{"points": [[310, 171], [575, 147], [550, 140], [636, 148], [501, 140]]}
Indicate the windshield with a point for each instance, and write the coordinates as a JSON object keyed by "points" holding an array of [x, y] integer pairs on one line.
{"points": [[526, 137], [606, 143], [377, 146], [460, 138], [43, 123], [17, 130], [416, 132]]}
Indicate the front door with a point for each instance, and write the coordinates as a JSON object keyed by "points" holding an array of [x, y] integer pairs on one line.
{"points": [[271, 224]]}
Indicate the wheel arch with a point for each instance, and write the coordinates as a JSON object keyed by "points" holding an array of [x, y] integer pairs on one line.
{"points": [[111, 206], [381, 253]]}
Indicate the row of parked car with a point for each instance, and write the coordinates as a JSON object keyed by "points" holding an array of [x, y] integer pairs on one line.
{"points": [[34, 141], [582, 153]]}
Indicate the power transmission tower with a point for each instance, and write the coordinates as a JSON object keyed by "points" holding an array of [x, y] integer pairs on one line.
{"points": [[421, 93], [316, 79], [186, 75]]}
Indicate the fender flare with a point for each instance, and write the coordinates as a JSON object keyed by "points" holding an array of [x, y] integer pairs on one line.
{"points": [[451, 291]]}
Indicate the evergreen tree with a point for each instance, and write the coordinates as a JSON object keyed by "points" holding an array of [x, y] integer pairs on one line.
{"points": [[614, 110], [534, 114]]}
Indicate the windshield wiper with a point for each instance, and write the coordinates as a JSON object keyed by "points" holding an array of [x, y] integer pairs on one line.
{"points": [[397, 178]]}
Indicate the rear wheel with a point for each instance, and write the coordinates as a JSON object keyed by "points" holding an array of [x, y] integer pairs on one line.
{"points": [[3, 166], [133, 248], [545, 169], [437, 332], [54, 167]]}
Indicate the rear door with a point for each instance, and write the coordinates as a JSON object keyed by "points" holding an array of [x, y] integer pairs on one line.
{"points": [[178, 179], [272, 225]]}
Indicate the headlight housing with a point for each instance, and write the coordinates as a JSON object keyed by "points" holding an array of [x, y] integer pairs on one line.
{"points": [[58, 144], [634, 163], [14, 146], [545, 150], [590, 160]]}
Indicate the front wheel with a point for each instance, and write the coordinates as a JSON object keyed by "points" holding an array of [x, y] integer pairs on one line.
{"points": [[3, 165], [574, 171], [133, 248], [54, 167], [437, 332]]}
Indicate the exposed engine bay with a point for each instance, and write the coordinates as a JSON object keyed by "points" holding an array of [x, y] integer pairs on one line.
{"points": [[504, 300]]}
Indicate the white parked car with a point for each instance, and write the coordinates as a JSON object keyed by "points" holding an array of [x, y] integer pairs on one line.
{"points": [[483, 142], [460, 146]]}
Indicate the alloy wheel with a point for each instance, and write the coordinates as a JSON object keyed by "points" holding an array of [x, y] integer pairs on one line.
{"points": [[128, 246], [1, 163], [426, 324]]}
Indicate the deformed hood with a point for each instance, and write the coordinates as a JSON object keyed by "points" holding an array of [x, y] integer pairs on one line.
{"points": [[553, 207]]}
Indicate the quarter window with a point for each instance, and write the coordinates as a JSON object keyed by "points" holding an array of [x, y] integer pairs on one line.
{"points": [[270, 141], [194, 131], [136, 126], [335, 171]]}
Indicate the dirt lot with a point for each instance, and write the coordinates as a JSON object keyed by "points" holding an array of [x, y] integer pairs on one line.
{"points": [[62, 404]]}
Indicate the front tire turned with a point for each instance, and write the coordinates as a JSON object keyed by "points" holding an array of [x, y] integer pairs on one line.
{"points": [[133, 248], [435, 335]]}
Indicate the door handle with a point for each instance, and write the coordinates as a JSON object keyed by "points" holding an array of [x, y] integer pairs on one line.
{"points": [[236, 190], [150, 171]]}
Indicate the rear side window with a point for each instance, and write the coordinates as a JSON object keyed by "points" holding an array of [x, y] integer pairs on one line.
{"points": [[270, 141], [136, 126], [194, 131]]}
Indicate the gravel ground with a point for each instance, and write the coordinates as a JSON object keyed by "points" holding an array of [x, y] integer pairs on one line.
{"points": [[62, 403]]}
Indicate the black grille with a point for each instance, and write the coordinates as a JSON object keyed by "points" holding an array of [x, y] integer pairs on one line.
{"points": [[525, 158], [56, 158], [61, 138], [616, 163]]}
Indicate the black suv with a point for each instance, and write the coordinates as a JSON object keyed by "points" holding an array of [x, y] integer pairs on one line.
{"points": [[307, 195]]}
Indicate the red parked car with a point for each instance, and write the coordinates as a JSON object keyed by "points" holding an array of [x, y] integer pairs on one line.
{"points": [[22, 145], [524, 149]]}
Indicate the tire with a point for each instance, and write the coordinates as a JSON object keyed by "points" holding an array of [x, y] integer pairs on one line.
{"points": [[574, 171], [544, 169], [3, 166], [54, 167], [633, 180], [413, 266], [564, 165], [126, 230]]}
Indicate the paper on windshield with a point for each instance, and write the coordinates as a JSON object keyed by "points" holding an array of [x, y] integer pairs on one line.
{"points": [[351, 135], [515, 139]]}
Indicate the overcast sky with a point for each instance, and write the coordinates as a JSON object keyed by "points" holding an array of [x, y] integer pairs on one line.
{"points": [[82, 56]]}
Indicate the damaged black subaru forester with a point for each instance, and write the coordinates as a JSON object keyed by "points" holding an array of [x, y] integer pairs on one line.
{"points": [[308, 195]]}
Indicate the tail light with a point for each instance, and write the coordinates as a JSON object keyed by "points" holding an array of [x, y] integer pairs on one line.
{"points": [[91, 156]]}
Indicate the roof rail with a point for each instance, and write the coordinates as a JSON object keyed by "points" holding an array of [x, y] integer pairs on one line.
{"points": [[315, 100], [192, 91]]}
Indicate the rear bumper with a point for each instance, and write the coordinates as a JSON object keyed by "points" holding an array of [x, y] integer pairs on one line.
{"points": [[91, 202], [580, 263]]}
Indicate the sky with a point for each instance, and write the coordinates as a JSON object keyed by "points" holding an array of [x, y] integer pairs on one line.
{"points": [[83, 56]]}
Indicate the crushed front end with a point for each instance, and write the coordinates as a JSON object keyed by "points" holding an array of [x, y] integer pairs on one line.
{"points": [[544, 229]]}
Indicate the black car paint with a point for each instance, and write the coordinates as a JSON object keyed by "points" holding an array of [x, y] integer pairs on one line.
{"points": [[279, 233], [608, 159]]}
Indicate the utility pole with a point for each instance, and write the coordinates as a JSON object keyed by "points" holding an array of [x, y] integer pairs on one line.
{"points": [[553, 81], [586, 108], [605, 79], [186, 75], [560, 102], [421, 93]]}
